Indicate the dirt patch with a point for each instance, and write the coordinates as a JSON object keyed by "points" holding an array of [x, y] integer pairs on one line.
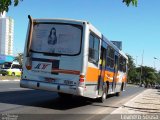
{"points": [[9, 78]]}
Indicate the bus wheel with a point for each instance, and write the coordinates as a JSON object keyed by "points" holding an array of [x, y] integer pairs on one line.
{"points": [[64, 95], [118, 94], [13, 74], [103, 97]]}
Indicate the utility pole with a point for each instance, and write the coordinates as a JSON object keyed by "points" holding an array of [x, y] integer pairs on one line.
{"points": [[154, 65], [136, 60], [141, 70]]}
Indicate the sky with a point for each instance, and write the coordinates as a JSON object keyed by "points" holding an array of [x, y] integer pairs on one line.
{"points": [[137, 27]]}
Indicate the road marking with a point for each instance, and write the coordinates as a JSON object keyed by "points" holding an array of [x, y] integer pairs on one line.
{"points": [[16, 80]]}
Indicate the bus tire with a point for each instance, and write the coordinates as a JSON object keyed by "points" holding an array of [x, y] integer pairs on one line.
{"points": [[103, 97], [118, 94], [121, 89], [65, 95]]}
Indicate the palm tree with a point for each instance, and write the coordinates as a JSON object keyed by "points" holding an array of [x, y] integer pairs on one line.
{"points": [[19, 58]]}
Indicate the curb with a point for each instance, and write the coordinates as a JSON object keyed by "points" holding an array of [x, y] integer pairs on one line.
{"points": [[9, 80]]}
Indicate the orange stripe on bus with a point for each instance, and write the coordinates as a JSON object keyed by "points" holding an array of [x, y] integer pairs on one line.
{"points": [[66, 71], [124, 78], [92, 74], [108, 76]]}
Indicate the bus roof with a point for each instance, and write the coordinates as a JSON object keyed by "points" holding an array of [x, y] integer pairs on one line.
{"points": [[62, 20]]}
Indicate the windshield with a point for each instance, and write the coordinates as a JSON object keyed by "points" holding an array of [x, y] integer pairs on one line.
{"points": [[7, 65], [56, 38], [16, 66]]}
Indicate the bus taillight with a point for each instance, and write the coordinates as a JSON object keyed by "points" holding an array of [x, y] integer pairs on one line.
{"points": [[28, 67], [81, 80], [28, 64]]}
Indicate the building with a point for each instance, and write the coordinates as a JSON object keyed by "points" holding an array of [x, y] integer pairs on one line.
{"points": [[6, 34]]}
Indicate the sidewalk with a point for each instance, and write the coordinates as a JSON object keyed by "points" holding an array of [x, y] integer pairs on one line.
{"points": [[145, 106], [148, 102]]}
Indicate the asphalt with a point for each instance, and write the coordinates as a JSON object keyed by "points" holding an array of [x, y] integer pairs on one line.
{"points": [[32, 104]]}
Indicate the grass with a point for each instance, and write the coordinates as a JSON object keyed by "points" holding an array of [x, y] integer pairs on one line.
{"points": [[9, 77]]}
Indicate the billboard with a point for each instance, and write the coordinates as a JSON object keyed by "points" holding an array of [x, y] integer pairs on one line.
{"points": [[118, 44], [56, 38]]}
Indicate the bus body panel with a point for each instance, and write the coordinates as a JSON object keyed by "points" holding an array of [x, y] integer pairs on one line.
{"points": [[55, 73]]}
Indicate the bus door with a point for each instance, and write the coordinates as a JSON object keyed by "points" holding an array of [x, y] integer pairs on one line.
{"points": [[115, 73], [102, 71]]}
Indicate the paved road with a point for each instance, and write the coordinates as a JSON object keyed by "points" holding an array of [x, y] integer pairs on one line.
{"points": [[16, 100]]}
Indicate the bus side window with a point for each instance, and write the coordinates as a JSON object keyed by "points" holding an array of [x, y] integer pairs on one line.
{"points": [[120, 63], [124, 65], [93, 49], [110, 57]]}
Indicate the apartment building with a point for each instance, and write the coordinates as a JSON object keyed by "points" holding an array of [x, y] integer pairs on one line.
{"points": [[6, 35]]}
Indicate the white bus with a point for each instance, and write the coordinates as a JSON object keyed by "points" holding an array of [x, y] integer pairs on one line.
{"points": [[71, 57]]}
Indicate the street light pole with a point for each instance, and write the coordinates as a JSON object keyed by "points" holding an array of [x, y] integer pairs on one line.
{"points": [[154, 65], [156, 58], [154, 62]]}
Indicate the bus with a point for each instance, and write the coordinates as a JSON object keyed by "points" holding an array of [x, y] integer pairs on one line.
{"points": [[10, 68], [71, 57]]}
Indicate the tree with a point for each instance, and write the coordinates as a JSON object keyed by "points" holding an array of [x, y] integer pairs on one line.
{"points": [[158, 78], [149, 75], [19, 58], [128, 2], [132, 73], [4, 4]]}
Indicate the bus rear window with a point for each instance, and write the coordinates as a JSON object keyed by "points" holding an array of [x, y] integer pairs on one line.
{"points": [[56, 38]]}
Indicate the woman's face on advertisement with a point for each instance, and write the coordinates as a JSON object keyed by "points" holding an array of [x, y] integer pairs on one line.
{"points": [[53, 31]]}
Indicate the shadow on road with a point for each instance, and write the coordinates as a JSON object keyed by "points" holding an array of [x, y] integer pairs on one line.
{"points": [[45, 99], [148, 110], [51, 100]]}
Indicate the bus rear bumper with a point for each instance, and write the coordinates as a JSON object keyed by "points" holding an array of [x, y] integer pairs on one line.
{"points": [[52, 87]]}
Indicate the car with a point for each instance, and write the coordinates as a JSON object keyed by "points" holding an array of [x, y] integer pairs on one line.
{"points": [[157, 86]]}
